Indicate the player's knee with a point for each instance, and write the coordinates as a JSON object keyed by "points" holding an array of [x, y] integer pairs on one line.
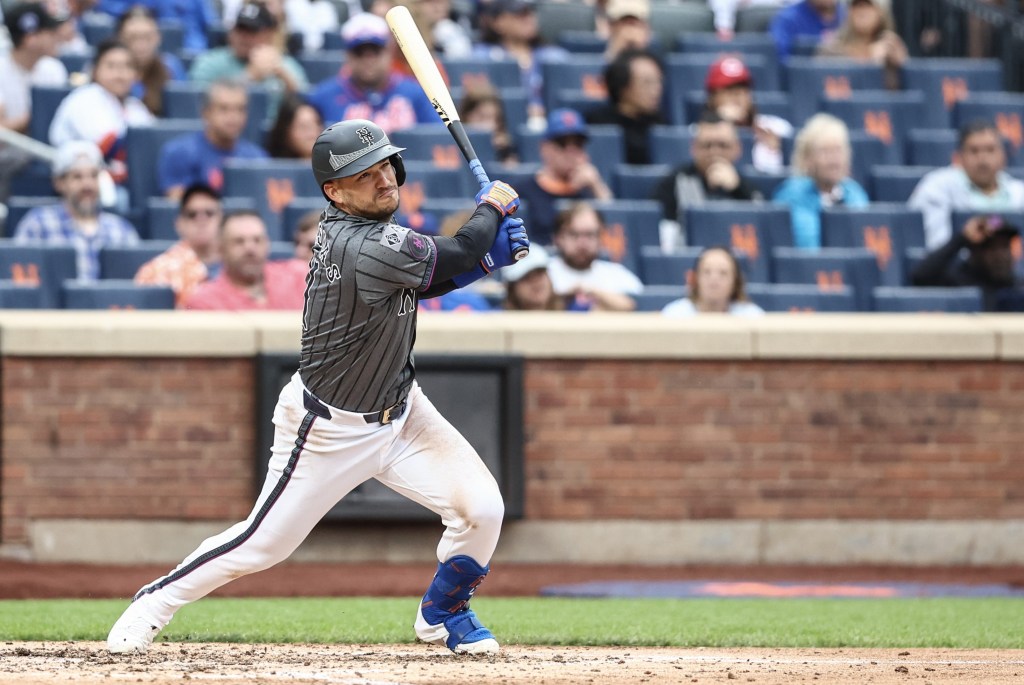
{"points": [[486, 512]]}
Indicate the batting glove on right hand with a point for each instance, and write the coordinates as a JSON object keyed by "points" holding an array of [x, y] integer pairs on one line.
{"points": [[499, 195]]}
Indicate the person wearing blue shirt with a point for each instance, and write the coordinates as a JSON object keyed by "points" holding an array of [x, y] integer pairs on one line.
{"points": [[814, 19], [821, 160], [366, 87], [197, 16], [199, 157]]}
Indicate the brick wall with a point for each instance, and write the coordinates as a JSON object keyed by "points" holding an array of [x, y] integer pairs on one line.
{"points": [[174, 439]]}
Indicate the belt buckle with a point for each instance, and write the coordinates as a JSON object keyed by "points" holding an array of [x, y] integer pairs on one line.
{"points": [[385, 416]]}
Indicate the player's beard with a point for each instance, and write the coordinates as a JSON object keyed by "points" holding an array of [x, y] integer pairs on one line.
{"points": [[380, 208]]}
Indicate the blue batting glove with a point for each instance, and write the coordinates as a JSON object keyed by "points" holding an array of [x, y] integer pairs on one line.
{"points": [[510, 233], [499, 195]]}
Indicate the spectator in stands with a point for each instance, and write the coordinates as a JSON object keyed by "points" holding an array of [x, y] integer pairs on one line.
{"points": [[528, 286], [137, 29], [976, 181], [711, 175], [295, 130], [577, 272], [247, 279], [70, 38], [868, 35], [102, 111], [251, 56], [195, 257], [509, 30], [199, 157], [304, 235], [77, 220], [635, 82], [730, 94], [197, 16], [31, 62], [725, 13], [629, 27], [807, 20], [482, 108], [821, 162], [366, 87], [566, 173], [444, 35], [989, 264], [310, 19], [716, 287]]}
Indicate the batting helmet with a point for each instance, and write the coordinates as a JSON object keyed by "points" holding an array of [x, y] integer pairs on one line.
{"points": [[348, 147]]}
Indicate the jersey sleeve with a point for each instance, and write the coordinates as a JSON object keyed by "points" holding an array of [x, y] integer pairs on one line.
{"points": [[394, 258]]}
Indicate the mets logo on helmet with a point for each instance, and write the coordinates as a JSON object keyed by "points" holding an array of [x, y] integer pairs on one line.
{"points": [[365, 136]]}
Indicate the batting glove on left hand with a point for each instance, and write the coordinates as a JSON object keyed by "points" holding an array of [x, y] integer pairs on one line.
{"points": [[499, 195]]}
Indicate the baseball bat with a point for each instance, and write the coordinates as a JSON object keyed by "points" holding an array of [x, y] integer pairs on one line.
{"points": [[411, 43]]}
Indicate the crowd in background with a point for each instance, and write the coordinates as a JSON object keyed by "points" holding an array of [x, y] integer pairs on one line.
{"points": [[259, 102]]}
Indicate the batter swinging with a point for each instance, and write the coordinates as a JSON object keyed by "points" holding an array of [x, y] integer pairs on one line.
{"points": [[354, 411]]}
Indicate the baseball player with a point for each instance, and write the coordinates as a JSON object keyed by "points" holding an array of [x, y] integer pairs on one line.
{"points": [[354, 411]]}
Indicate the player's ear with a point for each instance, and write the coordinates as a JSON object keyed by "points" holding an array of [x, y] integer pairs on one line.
{"points": [[331, 191]]}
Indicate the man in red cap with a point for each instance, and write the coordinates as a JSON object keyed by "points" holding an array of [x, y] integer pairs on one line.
{"points": [[729, 86]]}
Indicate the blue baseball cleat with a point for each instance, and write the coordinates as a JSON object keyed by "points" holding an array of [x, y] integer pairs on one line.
{"points": [[444, 616]]}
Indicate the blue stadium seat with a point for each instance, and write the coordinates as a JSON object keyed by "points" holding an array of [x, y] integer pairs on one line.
{"points": [[162, 212], [295, 210], [172, 35], [20, 296], [322, 65], [764, 182], [828, 269], [281, 250], [553, 18], [184, 100], [514, 174], [579, 100], [514, 102], [18, 207], [792, 297], [906, 300], [578, 73], [637, 181], [77, 63], [868, 151], [271, 185], [668, 20], [655, 297], [582, 42], [432, 143], [755, 18], [752, 230], [45, 101], [605, 147], [470, 71], [33, 180], [946, 81], [775, 103], [116, 294], [1006, 110], [931, 146], [887, 230], [809, 79], [894, 183], [744, 44], [429, 181], [96, 27], [631, 225], [123, 263], [660, 269], [144, 144], [886, 115], [687, 73], [41, 265]]}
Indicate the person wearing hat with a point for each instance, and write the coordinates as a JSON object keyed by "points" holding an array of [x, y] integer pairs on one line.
{"points": [[31, 62], [528, 286], [808, 19], [989, 263], [77, 220], [730, 95], [251, 56], [366, 87], [629, 27], [635, 80], [566, 173], [869, 35]]}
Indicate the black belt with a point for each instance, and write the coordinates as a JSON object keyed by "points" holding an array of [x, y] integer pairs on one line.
{"points": [[384, 416]]}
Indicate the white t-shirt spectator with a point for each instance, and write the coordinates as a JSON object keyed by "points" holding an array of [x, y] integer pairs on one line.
{"points": [[16, 84], [686, 307], [602, 275]]}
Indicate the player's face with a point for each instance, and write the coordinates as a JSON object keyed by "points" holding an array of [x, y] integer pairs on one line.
{"points": [[579, 242], [372, 194], [715, 278], [80, 188], [244, 248], [983, 157], [116, 72], [198, 220]]}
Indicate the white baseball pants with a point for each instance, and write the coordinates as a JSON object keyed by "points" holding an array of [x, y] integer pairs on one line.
{"points": [[317, 461]]}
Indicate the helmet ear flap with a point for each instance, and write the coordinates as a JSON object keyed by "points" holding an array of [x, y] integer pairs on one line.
{"points": [[399, 165]]}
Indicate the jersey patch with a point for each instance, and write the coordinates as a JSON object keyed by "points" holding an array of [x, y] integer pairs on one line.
{"points": [[418, 247], [394, 236]]}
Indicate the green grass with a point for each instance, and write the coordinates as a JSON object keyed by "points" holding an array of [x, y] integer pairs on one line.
{"points": [[959, 623]]}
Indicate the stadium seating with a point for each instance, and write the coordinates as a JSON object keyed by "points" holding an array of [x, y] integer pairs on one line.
{"points": [[890, 183], [883, 114], [578, 73], [41, 265], [763, 182], [1006, 110], [686, 73], [45, 101], [671, 145], [792, 297], [829, 268], [469, 71], [322, 65], [668, 20], [184, 100], [931, 146], [20, 296], [432, 143], [751, 230], [946, 81], [868, 152], [637, 182], [767, 102], [886, 230], [144, 144], [77, 63], [272, 184], [630, 225], [298, 208], [555, 17], [909, 300], [582, 42], [116, 294], [655, 297], [754, 18], [33, 180], [660, 269], [744, 44], [123, 263], [161, 213], [810, 79], [605, 147]]}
